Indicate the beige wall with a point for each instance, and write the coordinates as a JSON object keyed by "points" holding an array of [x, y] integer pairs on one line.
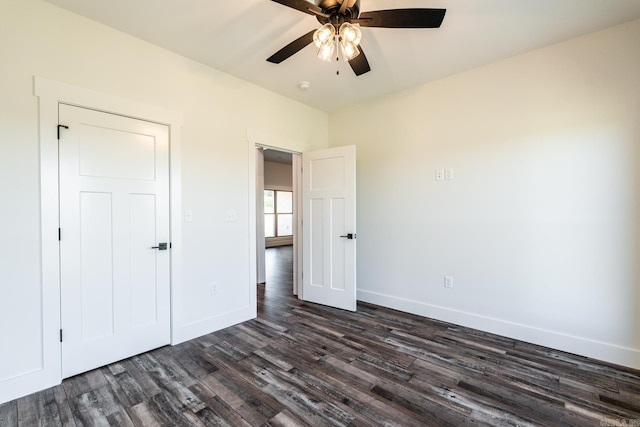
{"points": [[540, 226], [219, 111], [278, 176]]}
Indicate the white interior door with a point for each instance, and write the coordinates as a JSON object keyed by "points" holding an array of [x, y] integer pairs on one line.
{"points": [[329, 227], [261, 272], [114, 207]]}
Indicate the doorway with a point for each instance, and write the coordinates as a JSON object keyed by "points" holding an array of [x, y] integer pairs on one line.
{"points": [[277, 214], [50, 95], [326, 198]]}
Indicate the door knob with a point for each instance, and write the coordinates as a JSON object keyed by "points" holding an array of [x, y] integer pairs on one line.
{"points": [[160, 247], [349, 236]]}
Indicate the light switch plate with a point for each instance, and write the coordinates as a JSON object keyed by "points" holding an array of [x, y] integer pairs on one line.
{"points": [[232, 215], [448, 174]]}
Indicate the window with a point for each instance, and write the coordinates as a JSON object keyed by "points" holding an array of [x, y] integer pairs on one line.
{"points": [[278, 213]]}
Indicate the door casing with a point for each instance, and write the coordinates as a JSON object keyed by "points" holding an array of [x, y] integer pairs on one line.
{"points": [[50, 94], [296, 168], [253, 143]]}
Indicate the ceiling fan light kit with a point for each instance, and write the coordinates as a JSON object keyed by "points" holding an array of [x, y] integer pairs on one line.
{"points": [[348, 35], [341, 21], [324, 39], [349, 50], [326, 50], [323, 34]]}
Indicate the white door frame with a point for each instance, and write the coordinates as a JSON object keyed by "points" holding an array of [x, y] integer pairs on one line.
{"points": [[296, 165], [296, 168], [260, 243], [50, 94]]}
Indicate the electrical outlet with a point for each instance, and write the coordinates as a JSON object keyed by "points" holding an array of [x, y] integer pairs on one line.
{"points": [[214, 288], [439, 174], [448, 282]]}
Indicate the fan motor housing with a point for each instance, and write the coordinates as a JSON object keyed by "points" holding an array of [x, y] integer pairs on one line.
{"points": [[331, 7]]}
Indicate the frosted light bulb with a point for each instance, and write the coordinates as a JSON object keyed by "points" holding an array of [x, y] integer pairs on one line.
{"points": [[323, 34], [349, 50], [326, 50], [350, 33]]}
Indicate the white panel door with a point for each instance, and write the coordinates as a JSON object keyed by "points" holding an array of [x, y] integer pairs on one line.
{"points": [[329, 227], [114, 208]]}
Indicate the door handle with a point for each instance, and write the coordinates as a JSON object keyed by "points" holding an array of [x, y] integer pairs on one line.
{"points": [[160, 247], [349, 236]]}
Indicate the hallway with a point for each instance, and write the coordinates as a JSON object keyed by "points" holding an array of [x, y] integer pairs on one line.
{"points": [[279, 268]]}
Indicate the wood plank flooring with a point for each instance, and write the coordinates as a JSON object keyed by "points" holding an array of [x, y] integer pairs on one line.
{"points": [[300, 364]]}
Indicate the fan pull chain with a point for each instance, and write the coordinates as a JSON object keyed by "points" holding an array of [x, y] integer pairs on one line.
{"points": [[337, 57]]}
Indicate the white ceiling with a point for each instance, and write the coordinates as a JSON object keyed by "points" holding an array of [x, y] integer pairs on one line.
{"points": [[237, 36]]}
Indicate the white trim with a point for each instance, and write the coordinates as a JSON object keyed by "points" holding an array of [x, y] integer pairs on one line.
{"points": [[205, 326], [271, 141], [50, 94], [578, 345], [261, 273], [278, 188], [296, 164], [263, 140], [253, 273]]}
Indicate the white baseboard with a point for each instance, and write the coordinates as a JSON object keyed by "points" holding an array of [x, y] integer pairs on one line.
{"points": [[28, 383], [577, 345], [206, 326]]}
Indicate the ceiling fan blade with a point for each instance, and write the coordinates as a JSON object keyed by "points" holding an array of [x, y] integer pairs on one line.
{"points": [[302, 6], [359, 64], [292, 48], [401, 18]]}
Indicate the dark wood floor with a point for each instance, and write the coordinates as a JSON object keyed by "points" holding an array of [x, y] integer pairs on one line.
{"points": [[304, 364]]}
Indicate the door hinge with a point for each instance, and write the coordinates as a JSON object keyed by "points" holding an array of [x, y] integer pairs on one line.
{"points": [[61, 126], [60, 335], [59, 234]]}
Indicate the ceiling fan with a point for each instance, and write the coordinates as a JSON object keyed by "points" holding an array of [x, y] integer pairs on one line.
{"points": [[341, 20]]}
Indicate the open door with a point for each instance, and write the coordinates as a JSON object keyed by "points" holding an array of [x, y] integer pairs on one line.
{"points": [[329, 227]]}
